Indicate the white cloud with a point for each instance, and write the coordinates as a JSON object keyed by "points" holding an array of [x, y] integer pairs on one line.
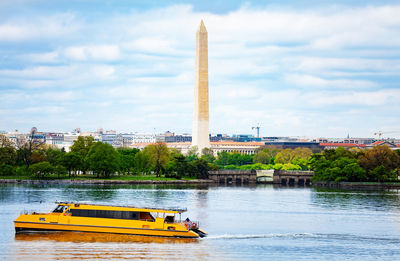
{"points": [[47, 57], [287, 69], [38, 27], [313, 81], [371, 98], [317, 64], [93, 52]]}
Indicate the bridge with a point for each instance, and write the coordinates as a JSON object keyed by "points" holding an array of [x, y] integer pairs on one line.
{"points": [[265, 176], [282, 177], [233, 176], [292, 177]]}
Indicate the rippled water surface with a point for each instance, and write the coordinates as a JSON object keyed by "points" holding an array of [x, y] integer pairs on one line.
{"points": [[244, 223]]}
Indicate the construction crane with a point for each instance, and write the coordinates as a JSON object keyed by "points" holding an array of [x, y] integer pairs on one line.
{"points": [[258, 130], [380, 133]]}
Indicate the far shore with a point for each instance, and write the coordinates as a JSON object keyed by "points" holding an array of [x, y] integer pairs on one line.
{"points": [[170, 181], [357, 185], [104, 181]]}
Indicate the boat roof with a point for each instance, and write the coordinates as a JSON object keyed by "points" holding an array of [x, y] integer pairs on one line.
{"points": [[150, 209]]}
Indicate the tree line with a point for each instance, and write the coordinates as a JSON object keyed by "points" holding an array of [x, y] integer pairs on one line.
{"points": [[377, 164], [98, 159], [87, 157]]}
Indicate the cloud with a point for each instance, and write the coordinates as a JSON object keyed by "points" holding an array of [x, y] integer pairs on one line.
{"points": [[37, 28], [318, 64], [287, 69], [38, 58], [371, 98], [93, 52], [313, 81]]}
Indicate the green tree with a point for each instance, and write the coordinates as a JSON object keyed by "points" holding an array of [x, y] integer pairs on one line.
{"points": [[290, 166], [102, 159], [193, 154], [25, 149], [222, 159], [353, 172], [340, 152], [255, 166], [54, 156], [178, 167], [37, 156], [41, 170], [271, 150], [82, 145], [207, 155], [380, 174], [8, 155], [337, 165], [158, 154], [142, 163], [201, 168], [7, 170], [303, 163], [284, 156], [238, 159], [262, 157], [301, 153], [60, 170], [127, 160], [379, 156], [72, 161]]}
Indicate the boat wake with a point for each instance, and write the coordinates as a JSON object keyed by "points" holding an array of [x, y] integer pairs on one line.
{"points": [[272, 235], [344, 237]]}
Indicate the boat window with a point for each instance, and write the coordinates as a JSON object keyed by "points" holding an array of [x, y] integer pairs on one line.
{"points": [[59, 209], [105, 214], [169, 219], [155, 214], [146, 216]]}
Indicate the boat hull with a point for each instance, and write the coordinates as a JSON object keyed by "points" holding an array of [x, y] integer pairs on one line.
{"points": [[35, 226]]}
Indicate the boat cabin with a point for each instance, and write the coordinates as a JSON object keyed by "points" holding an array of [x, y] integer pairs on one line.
{"points": [[117, 212]]}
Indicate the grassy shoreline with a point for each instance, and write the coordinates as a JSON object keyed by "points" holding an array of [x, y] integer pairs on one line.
{"points": [[90, 179]]}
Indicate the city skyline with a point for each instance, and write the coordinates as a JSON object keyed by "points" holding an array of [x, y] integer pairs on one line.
{"points": [[297, 70]]}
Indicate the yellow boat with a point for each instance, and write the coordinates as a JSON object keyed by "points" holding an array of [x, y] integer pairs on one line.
{"points": [[71, 216]]}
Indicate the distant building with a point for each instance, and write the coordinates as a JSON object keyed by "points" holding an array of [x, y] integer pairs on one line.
{"points": [[241, 147], [294, 144], [390, 144], [245, 138], [345, 145], [54, 138], [143, 138], [179, 138], [216, 147]]}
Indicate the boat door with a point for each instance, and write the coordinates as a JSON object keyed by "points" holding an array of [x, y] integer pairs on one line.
{"points": [[55, 215]]}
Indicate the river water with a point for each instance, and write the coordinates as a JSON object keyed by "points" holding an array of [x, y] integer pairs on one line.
{"points": [[244, 223]]}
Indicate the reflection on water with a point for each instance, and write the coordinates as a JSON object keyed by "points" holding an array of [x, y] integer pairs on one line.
{"points": [[345, 199], [90, 246], [81, 237]]}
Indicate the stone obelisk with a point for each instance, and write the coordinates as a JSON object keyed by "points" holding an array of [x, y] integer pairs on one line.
{"points": [[200, 135]]}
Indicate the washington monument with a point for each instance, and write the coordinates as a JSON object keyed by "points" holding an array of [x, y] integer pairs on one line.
{"points": [[200, 136]]}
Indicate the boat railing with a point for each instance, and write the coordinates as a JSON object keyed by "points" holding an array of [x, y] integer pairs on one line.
{"points": [[177, 209], [191, 224], [30, 212]]}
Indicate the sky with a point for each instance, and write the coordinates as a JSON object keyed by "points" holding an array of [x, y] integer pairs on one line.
{"points": [[293, 67]]}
